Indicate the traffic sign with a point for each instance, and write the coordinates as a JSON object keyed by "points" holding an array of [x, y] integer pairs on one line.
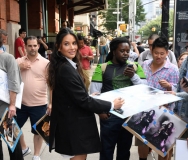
{"points": [[121, 22], [116, 12]]}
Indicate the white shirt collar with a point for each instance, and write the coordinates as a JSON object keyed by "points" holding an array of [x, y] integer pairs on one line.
{"points": [[72, 63]]}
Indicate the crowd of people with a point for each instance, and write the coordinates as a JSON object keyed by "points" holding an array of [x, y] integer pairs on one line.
{"points": [[61, 87]]}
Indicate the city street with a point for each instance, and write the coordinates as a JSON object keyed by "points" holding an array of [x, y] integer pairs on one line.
{"points": [[45, 155]]}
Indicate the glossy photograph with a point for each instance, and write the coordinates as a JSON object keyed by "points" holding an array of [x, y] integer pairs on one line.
{"points": [[42, 127], [158, 128], [10, 131]]}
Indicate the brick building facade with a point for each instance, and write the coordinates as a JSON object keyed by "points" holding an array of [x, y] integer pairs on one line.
{"points": [[41, 16]]}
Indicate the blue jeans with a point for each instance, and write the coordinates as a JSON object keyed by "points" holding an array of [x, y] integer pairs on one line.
{"points": [[113, 133]]}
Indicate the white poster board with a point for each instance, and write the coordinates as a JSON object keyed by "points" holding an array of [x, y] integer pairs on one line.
{"points": [[138, 98], [4, 92], [181, 150]]}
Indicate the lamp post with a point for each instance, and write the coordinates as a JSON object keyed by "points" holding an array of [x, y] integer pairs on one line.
{"points": [[165, 18], [117, 17]]}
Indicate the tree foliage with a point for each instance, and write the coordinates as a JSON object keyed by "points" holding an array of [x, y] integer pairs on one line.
{"points": [[156, 23], [110, 19]]}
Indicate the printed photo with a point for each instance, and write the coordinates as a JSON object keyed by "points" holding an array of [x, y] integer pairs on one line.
{"points": [[158, 128], [42, 127], [10, 131]]}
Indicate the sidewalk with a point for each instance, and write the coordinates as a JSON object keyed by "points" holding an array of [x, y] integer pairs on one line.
{"points": [[45, 155]]}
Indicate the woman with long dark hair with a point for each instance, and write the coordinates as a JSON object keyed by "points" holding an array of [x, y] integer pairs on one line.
{"points": [[142, 124], [73, 128], [160, 137]]}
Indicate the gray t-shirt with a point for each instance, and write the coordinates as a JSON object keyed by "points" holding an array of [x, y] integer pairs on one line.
{"points": [[8, 64]]}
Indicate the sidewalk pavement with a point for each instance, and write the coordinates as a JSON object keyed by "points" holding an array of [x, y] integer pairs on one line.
{"points": [[45, 155]]}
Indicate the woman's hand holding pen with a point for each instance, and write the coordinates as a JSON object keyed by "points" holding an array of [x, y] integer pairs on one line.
{"points": [[118, 102]]}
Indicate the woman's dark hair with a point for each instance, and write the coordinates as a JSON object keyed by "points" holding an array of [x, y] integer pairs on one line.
{"points": [[57, 57], [114, 45], [153, 113], [172, 125], [62, 21], [160, 42]]}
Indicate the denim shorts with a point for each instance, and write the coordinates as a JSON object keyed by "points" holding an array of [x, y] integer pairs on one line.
{"points": [[34, 113]]}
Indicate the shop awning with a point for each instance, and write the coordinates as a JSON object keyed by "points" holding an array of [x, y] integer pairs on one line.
{"points": [[87, 6]]}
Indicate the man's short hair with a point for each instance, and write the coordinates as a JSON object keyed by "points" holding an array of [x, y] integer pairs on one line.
{"points": [[2, 31], [160, 42], [30, 38], [21, 30], [80, 37], [153, 37]]}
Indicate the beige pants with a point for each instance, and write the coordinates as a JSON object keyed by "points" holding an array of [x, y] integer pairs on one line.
{"points": [[86, 76]]}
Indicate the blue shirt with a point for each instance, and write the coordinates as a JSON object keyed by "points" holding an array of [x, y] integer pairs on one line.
{"points": [[3, 48]]}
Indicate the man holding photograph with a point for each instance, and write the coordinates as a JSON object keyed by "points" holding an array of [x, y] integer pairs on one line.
{"points": [[9, 65]]}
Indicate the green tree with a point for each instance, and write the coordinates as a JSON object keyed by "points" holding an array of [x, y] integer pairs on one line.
{"points": [[156, 23], [110, 19]]}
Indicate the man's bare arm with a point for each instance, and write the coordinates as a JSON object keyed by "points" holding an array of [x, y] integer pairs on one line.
{"points": [[12, 108], [20, 51]]}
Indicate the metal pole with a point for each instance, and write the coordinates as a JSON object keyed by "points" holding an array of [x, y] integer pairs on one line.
{"points": [[117, 17], [133, 19], [165, 18], [43, 17], [130, 19], [121, 14]]}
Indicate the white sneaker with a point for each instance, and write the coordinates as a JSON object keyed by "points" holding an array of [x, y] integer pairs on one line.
{"points": [[36, 158], [26, 151]]}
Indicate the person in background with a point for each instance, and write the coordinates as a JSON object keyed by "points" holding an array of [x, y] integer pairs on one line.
{"points": [[9, 65], [146, 55], [3, 40], [64, 24], [181, 58], [109, 76], [160, 74], [181, 108], [34, 100], [73, 128], [139, 47], [86, 57], [103, 50], [43, 47], [134, 53], [19, 44]]}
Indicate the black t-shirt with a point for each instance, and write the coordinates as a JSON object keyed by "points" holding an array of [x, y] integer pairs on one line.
{"points": [[42, 51], [140, 49]]}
